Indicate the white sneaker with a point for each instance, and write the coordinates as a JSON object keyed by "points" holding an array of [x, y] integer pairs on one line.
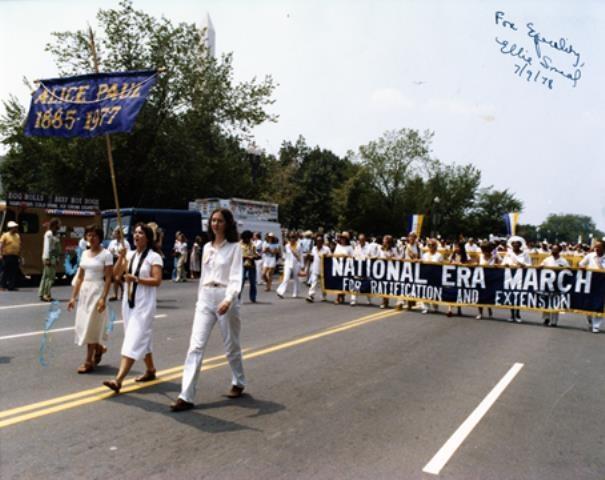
{"points": [[425, 311], [595, 330], [353, 303], [478, 317]]}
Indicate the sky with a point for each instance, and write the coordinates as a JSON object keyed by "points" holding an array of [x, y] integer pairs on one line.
{"points": [[350, 70]]}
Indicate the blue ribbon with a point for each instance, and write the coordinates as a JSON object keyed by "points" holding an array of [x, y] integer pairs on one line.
{"points": [[111, 314], [54, 312], [70, 269]]}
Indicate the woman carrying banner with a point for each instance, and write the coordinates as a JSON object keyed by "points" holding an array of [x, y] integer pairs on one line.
{"points": [[432, 256], [293, 263], [516, 256], [143, 267], [387, 251], [553, 260], [343, 249], [458, 257], [91, 286], [487, 258], [596, 261], [219, 287]]}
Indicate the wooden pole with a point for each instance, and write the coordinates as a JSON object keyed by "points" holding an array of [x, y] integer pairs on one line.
{"points": [[108, 146]]}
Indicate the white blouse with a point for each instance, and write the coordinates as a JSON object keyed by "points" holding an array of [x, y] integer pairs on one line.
{"points": [[513, 259], [222, 266], [554, 262], [94, 265], [432, 257]]}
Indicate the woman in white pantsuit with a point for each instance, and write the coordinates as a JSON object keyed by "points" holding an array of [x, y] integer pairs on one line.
{"points": [[293, 263], [143, 276], [91, 286], [218, 290]]}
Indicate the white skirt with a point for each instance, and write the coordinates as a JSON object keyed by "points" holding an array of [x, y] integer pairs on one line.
{"points": [[138, 322], [90, 324], [269, 262]]}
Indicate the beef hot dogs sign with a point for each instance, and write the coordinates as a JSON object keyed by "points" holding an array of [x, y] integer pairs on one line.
{"points": [[533, 288]]}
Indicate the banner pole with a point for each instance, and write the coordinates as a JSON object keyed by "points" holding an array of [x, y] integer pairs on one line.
{"points": [[108, 146]]}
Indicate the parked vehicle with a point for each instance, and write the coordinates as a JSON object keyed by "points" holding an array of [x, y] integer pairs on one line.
{"points": [[33, 222]]}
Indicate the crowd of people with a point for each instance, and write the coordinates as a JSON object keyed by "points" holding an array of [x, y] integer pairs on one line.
{"points": [[223, 261]]}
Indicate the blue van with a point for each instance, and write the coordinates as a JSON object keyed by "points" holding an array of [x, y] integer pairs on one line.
{"points": [[170, 221]]}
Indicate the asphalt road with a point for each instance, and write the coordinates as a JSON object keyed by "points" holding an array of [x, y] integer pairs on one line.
{"points": [[334, 392]]}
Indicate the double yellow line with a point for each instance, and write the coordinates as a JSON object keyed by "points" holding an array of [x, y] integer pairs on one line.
{"points": [[84, 397]]}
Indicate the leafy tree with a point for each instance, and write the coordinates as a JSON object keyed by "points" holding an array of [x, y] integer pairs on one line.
{"points": [[186, 142], [487, 214], [305, 181], [568, 227]]}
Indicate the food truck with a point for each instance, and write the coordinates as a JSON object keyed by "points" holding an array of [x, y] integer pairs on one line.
{"points": [[33, 212]]}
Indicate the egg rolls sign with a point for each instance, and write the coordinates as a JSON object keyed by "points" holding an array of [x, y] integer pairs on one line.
{"points": [[542, 289], [88, 105]]}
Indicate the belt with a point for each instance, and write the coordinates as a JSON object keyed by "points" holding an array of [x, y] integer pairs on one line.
{"points": [[214, 285]]}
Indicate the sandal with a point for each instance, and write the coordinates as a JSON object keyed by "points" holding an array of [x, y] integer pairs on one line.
{"points": [[112, 385], [86, 367], [148, 376], [99, 354]]}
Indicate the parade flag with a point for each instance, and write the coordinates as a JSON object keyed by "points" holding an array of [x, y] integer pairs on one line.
{"points": [[511, 220], [88, 105], [415, 223]]}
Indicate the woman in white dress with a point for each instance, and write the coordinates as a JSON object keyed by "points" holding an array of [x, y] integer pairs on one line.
{"points": [[271, 251], [293, 263], [195, 259], [143, 276], [218, 290], [91, 286], [344, 249]]}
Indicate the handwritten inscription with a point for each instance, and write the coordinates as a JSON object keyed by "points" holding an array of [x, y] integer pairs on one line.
{"points": [[544, 61]]}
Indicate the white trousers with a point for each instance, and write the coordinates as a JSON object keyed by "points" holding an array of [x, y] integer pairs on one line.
{"points": [[205, 317], [315, 285], [290, 271], [595, 322]]}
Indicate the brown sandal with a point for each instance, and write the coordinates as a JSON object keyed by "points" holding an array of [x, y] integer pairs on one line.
{"points": [[86, 367], [112, 385], [146, 377], [99, 354]]}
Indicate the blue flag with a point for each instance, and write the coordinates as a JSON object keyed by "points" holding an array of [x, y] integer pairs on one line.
{"points": [[88, 105]]}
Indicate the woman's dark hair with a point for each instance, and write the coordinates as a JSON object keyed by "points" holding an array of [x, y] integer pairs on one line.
{"points": [[198, 240], [98, 231], [148, 231], [462, 250], [246, 235], [230, 225]]}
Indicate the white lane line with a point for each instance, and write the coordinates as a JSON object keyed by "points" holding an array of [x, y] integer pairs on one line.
{"points": [[39, 304], [450, 447], [66, 329]]}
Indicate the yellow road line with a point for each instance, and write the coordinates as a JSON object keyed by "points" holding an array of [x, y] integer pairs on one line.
{"points": [[101, 393]]}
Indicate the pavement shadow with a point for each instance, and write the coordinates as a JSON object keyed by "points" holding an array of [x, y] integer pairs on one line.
{"points": [[5, 360], [192, 418]]}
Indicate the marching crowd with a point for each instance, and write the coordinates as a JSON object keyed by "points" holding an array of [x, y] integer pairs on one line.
{"points": [[303, 251], [225, 261]]}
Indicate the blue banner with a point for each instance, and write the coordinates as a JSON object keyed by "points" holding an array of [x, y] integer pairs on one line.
{"points": [[535, 288], [88, 105]]}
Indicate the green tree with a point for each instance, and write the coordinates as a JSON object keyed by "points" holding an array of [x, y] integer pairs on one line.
{"points": [[305, 180], [567, 227], [487, 214], [187, 140]]}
